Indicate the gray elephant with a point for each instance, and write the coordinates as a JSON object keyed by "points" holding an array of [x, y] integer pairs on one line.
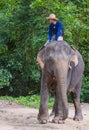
{"points": [[62, 70]]}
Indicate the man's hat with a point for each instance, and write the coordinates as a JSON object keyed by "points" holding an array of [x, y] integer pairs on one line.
{"points": [[52, 16]]}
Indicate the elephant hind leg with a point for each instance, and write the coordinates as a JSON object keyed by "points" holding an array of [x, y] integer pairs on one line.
{"points": [[76, 100]]}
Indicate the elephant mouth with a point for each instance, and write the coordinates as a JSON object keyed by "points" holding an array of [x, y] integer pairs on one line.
{"points": [[53, 85], [53, 81]]}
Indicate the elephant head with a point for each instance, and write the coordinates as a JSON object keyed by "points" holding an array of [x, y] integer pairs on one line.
{"points": [[61, 51]]}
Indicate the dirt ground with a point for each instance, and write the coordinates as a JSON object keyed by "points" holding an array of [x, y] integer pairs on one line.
{"points": [[16, 117]]}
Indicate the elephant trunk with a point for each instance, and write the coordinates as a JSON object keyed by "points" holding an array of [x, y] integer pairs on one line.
{"points": [[62, 90]]}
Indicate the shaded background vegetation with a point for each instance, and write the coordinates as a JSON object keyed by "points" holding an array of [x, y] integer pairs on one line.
{"points": [[23, 30]]}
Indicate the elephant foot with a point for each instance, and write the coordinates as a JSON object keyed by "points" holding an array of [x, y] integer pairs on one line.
{"points": [[42, 119], [78, 117], [51, 117], [57, 120]]}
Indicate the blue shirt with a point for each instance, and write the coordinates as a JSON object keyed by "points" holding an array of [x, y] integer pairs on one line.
{"points": [[55, 29]]}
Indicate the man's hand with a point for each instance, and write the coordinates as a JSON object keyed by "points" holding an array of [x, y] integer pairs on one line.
{"points": [[60, 38]]}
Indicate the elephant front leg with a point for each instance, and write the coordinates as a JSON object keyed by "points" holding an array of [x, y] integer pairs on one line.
{"points": [[76, 100], [61, 107], [58, 117], [43, 110]]}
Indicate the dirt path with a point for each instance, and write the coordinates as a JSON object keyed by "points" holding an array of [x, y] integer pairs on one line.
{"points": [[16, 117]]}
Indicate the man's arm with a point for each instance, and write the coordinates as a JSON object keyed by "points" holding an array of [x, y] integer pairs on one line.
{"points": [[50, 33], [59, 32]]}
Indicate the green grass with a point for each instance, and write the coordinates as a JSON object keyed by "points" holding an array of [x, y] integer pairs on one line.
{"points": [[30, 101]]}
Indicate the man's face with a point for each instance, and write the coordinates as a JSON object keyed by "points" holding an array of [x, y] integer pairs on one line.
{"points": [[51, 21]]}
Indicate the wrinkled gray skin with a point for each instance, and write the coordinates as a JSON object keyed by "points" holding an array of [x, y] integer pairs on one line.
{"points": [[62, 72]]}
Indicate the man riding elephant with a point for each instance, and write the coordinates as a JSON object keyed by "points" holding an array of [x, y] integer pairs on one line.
{"points": [[55, 33], [62, 69]]}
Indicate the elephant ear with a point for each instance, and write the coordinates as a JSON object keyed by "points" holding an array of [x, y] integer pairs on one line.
{"points": [[74, 59], [40, 58]]}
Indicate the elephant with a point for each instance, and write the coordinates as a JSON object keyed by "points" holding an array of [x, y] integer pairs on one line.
{"points": [[62, 70]]}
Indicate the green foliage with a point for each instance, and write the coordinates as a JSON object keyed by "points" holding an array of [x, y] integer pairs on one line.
{"points": [[85, 90], [5, 78], [23, 30], [30, 101]]}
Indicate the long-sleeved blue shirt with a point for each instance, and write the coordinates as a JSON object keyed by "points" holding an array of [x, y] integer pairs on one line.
{"points": [[55, 29]]}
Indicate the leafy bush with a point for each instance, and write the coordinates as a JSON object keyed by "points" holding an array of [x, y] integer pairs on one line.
{"points": [[5, 78], [85, 90]]}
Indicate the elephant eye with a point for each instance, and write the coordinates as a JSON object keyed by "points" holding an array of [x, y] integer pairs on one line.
{"points": [[67, 50]]}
